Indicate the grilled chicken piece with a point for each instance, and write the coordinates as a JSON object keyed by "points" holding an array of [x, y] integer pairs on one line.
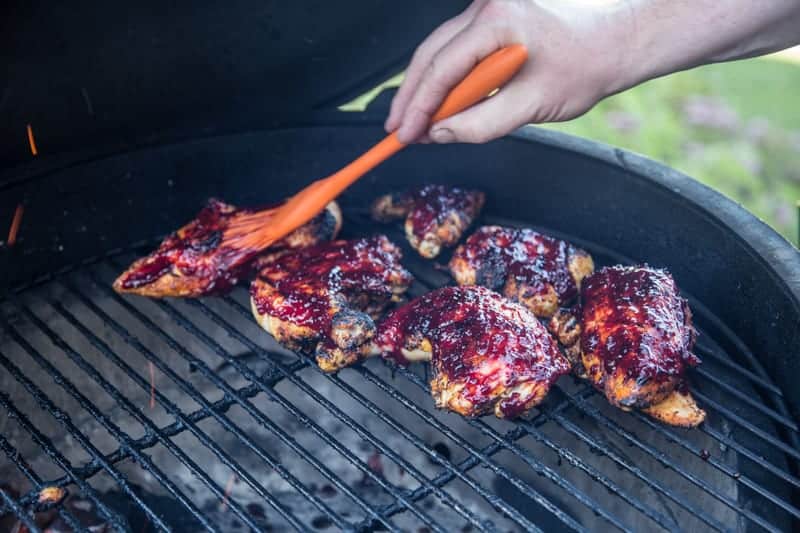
{"points": [[436, 216], [327, 296], [192, 261], [636, 342], [538, 271], [488, 354]]}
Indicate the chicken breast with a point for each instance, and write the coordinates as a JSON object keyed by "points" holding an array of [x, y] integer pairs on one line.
{"points": [[193, 261], [325, 298], [436, 216], [539, 271], [489, 355]]}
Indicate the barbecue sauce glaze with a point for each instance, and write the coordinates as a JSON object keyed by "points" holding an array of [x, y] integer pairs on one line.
{"points": [[432, 203], [310, 280], [469, 326], [194, 250], [534, 259], [635, 320]]}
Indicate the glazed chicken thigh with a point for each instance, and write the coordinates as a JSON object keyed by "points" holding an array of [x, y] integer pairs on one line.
{"points": [[193, 261], [436, 216], [488, 354], [539, 271], [636, 342], [325, 297]]}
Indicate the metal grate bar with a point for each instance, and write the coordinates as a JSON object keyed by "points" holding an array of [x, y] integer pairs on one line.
{"points": [[722, 467], [134, 411], [786, 476], [662, 458], [207, 407], [599, 445], [760, 407], [379, 516], [493, 500], [376, 410], [121, 437], [246, 405], [269, 391], [552, 476], [447, 431], [465, 465], [432, 454], [657, 517], [23, 466], [325, 436], [19, 511], [56, 456], [147, 441], [419, 444], [752, 428], [704, 351], [348, 421], [765, 436], [169, 406]]}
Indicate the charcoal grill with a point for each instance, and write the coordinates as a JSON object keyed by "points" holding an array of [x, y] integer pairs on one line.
{"points": [[184, 415]]}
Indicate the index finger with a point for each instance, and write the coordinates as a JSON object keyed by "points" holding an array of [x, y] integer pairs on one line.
{"points": [[447, 68]]}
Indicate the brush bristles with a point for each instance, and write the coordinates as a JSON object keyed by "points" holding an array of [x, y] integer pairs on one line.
{"points": [[250, 231]]}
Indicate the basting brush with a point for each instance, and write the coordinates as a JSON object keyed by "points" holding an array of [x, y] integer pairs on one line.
{"points": [[258, 231]]}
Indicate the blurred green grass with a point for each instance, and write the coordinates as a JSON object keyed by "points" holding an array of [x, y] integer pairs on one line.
{"points": [[733, 126]]}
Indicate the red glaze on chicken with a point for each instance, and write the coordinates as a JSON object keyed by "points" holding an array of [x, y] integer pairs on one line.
{"points": [[637, 342], [488, 354], [537, 270], [326, 296], [436, 216], [193, 261]]}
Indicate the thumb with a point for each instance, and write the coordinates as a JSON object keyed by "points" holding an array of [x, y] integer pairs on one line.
{"points": [[491, 119]]}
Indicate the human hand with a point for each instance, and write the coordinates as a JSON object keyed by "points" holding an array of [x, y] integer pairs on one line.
{"points": [[574, 57]]}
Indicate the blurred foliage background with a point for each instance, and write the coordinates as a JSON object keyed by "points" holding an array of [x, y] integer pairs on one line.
{"points": [[734, 126]]}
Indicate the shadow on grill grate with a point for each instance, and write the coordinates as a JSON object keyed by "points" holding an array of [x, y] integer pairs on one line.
{"points": [[185, 415]]}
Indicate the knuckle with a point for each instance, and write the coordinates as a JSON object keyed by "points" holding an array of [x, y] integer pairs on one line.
{"points": [[420, 52], [495, 9]]}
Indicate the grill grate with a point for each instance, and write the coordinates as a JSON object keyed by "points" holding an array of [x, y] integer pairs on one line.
{"points": [[249, 424]]}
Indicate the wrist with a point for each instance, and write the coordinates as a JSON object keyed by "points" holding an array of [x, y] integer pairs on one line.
{"points": [[617, 44]]}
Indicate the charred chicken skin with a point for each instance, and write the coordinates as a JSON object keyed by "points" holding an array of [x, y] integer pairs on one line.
{"points": [[326, 297], [488, 354], [193, 261], [538, 271], [637, 340], [436, 216]]}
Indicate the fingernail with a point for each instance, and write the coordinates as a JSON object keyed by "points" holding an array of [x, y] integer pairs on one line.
{"points": [[443, 135]]}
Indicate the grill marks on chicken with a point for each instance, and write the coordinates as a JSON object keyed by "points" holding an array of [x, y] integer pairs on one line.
{"points": [[488, 354], [326, 297], [436, 216], [193, 261], [539, 271], [636, 342]]}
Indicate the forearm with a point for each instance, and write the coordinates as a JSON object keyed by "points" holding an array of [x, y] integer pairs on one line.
{"points": [[580, 51], [663, 36]]}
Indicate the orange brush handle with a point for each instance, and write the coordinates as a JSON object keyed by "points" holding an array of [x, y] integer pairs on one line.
{"points": [[491, 73]]}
